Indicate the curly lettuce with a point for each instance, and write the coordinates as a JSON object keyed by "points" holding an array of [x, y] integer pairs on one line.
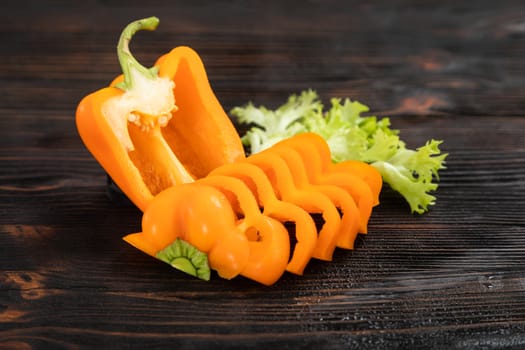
{"points": [[350, 135]]}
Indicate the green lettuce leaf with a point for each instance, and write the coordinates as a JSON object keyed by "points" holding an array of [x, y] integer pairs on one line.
{"points": [[350, 135], [275, 125]]}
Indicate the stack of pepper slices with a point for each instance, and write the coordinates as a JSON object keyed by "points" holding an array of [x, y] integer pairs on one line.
{"points": [[205, 203]]}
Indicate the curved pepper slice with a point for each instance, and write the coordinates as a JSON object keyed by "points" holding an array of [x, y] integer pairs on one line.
{"points": [[358, 189], [146, 139], [360, 180], [281, 178], [307, 142], [365, 172], [350, 216], [268, 238], [200, 215], [305, 232]]}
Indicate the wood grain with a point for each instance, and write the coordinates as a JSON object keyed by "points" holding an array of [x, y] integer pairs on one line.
{"points": [[453, 278]]}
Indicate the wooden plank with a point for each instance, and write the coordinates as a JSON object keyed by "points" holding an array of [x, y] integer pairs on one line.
{"points": [[450, 279]]}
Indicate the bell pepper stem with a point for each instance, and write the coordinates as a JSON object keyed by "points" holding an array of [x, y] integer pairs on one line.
{"points": [[186, 258], [130, 66]]}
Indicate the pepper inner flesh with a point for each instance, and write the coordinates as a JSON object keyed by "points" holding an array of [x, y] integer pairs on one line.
{"points": [[149, 157], [191, 127]]}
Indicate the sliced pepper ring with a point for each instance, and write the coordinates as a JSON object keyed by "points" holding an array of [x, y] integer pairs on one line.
{"points": [[306, 232], [200, 215], [350, 215], [313, 144], [268, 239], [281, 178], [359, 179]]}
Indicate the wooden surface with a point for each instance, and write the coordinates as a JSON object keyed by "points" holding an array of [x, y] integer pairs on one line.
{"points": [[451, 279]]}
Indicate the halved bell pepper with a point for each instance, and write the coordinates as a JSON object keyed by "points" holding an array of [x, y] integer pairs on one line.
{"points": [[157, 127]]}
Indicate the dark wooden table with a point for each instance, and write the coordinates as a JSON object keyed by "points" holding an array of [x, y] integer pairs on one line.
{"points": [[453, 278]]}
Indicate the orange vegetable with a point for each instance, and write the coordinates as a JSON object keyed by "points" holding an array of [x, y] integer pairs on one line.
{"points": [[318, 160], [236, 214], [365, 172], [305, 229], [350, 216], [158, 127], [163, 137], [268, 239], [200, 215], [362, 181], [312, 201]]}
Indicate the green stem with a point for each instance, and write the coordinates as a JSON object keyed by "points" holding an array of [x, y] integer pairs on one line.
{"points": [[128, 63], [185, 257], [185, 265]]}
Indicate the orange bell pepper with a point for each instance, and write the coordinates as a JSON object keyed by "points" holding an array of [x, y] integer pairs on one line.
{"points": [[200, 215], [312, 201], [157, 127], [235, 215], [268, 239], [258, 183], [362, 181], [365, 172], [344, 202], [320, 161]]}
